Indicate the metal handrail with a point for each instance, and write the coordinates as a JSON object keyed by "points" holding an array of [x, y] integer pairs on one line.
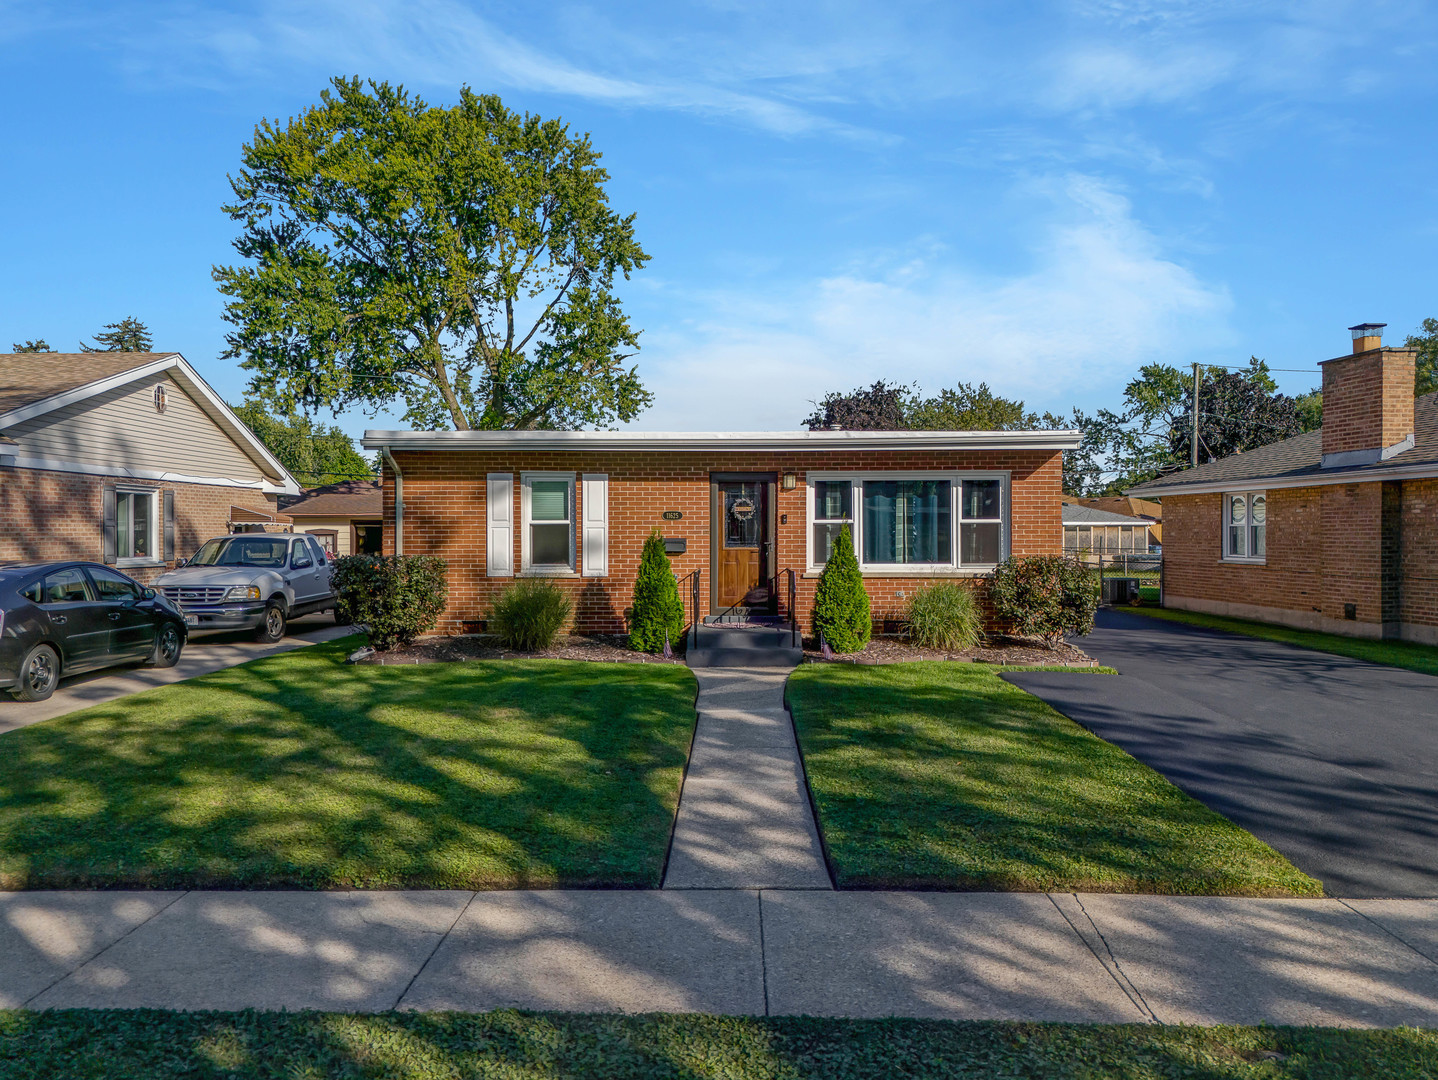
{"points": [[694, 580]]}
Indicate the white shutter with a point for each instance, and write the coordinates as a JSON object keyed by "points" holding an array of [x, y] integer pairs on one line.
{"points": [[499, 522], [596, 525]]}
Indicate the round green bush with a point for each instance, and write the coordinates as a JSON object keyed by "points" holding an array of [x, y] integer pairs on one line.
{"points": [[657, 610], [1044, 596], [529, 614], [393, 598], [944, 616], [841, 606]]}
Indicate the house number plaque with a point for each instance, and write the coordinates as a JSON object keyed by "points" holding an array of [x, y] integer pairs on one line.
{"points": [[673, 515]]}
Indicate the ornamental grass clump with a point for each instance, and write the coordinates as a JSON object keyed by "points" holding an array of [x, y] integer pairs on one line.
{"points": [[841, 606], [528, 615], [393, 599], [658, 613], [944, 616], [1043, 596]]}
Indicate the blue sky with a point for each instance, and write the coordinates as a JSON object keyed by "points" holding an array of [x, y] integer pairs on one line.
{"points": [[1039, 195]]}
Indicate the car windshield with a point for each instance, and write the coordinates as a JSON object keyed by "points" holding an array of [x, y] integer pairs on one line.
{"points": [[242, 551]]}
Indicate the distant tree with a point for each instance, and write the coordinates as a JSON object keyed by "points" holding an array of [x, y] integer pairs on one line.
{"points": [[881, 407], [314, 455], [127, 335], [1152, 433], [462, 258], [976, 408], [1310, 409], [1427, 345], [36, 345]]}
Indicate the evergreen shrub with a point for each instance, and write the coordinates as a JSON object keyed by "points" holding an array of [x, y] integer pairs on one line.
{"points": [[841, 606], [393, 599], [1044, 596], [529, 614], [657, 608], [944, 615]]}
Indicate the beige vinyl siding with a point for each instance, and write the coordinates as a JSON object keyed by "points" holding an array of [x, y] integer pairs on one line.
{"points": [[339, 526], [122, 428]]}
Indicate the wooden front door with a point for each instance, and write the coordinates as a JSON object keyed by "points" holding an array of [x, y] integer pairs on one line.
{"points": [[742, 543]]}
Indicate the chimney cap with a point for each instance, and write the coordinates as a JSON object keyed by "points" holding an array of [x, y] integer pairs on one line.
{"points": [[1367, 329]]}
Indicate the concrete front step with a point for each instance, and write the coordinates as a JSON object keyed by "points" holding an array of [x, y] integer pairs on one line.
{"points": [[712, 637], [744, 658]]}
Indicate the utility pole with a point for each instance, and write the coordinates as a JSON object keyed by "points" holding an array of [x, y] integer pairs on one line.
{"points": [[1194, 450]]}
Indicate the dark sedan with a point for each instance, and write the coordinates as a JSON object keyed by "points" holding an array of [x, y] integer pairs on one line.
{"points": [[63, 618]]}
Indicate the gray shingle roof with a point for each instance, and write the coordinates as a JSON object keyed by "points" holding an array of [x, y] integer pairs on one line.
{"points": [[1075, 514], [1300, 458], [26, 378]]}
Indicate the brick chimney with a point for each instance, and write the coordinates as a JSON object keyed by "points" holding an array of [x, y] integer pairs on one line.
{"points": [[1367, 401]]}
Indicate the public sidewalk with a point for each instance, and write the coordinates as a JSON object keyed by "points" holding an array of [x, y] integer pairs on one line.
{"points": [[1026, 956]]}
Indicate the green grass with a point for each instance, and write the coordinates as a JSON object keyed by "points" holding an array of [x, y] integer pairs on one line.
{"points": [[1403, 654], [299, 770], [939, 775], [108, 1045]]}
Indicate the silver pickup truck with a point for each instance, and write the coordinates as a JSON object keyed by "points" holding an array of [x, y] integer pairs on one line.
{"points": [[253, 581]]}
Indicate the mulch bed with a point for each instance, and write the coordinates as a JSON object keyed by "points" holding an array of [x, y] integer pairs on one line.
{"points": [[1001, 650], [442, 650]]}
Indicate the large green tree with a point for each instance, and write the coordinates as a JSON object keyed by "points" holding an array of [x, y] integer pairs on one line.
{"points": [[1152, 432], [127, 335], [1427, 345], [463, 259], [314, 454]]}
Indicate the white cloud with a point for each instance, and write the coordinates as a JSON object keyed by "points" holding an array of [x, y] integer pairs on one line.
{"points": [[1099, 299]]}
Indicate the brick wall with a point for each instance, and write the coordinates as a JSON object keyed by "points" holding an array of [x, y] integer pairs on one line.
{"points": [[1372, 545], [444, 514], [1368, 400], [57, 515]]}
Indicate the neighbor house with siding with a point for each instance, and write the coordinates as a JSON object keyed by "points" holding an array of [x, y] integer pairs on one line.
{"points": [[740, 512], [1090, 533], [344, 517], [124, 457], [1335, 529]]}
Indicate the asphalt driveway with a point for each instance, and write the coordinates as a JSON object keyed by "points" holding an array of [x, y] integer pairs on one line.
{"points": [[203, 654], [1332, 761]]}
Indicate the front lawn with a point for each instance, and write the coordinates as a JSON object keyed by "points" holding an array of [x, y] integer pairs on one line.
{"points": [[1403, 654], [943, 776], [298, 770], [108, 1045]]}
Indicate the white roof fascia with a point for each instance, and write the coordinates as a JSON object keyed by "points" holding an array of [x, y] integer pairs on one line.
{"points": [[190, 379], [703, 441], [1403, 472]]}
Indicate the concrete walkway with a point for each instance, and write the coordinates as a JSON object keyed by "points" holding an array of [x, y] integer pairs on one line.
{"points": [[744, 817], [202, 654], [777, 952]]}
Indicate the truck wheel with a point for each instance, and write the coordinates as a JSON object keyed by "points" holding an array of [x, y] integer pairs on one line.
{"points": [[39, 674], [167, 647], [272, 626]]}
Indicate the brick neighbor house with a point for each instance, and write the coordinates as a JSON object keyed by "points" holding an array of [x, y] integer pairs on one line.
{"points": [[1334, 530], [126, 458], [737, 509]]}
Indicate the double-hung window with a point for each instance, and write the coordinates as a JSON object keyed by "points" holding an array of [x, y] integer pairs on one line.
{"points": [[833, 511], [928, 522], [547, 543], [134, 526], [1245, 526]]}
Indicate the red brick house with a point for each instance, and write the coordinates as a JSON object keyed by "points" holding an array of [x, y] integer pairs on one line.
{"points": [[1333, 530], [127, 458], [737, 509]]}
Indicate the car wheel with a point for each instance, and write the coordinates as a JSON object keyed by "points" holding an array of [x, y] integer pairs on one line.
{"points": [[167, 647], [272, 627], [39, 674]]}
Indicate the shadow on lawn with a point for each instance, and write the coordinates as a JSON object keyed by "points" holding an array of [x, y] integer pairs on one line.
{"points": [[926, 776], [300, 771]]}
